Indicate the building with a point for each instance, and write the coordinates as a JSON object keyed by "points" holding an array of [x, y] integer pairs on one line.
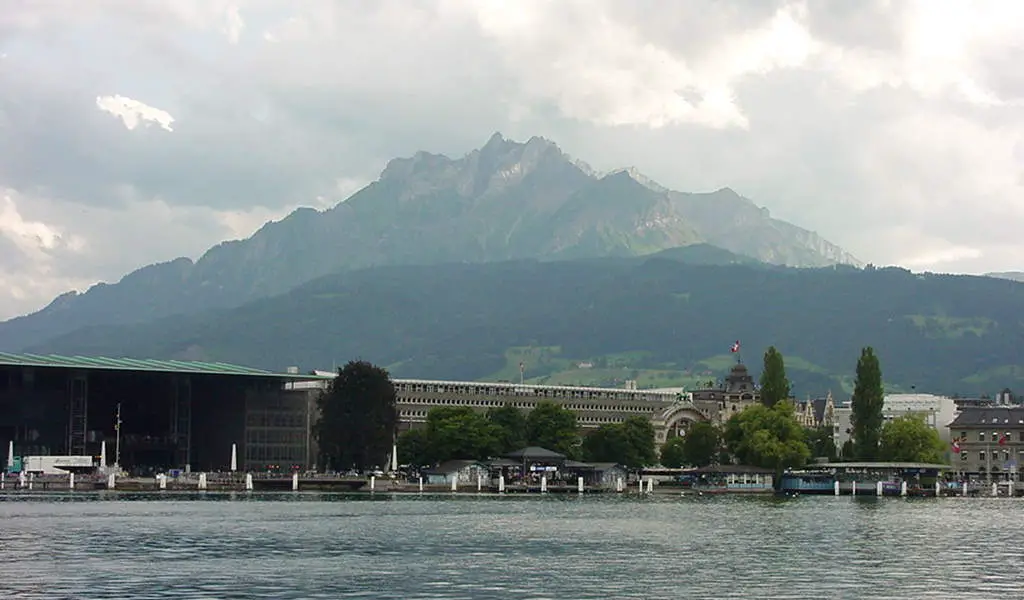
{"points": [[737, 392], [173, 414], [819, 412], [990, 441], [936, 411]]}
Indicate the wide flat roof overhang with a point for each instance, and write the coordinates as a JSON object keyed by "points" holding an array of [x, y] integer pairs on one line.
{"points": [[143, 365]]}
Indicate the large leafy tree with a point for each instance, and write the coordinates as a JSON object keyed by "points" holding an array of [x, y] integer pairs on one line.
{"points": [[775, 386], [630, 443], [868, 398], [358, 417], [511, 427], [820, 442], [554, 427], [767, 437], [414, 448], [455, 432], [701, 444], [673, 455], [910, 439]]}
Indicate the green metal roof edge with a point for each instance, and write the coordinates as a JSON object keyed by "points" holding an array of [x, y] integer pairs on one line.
{"points": [[103, 363]]}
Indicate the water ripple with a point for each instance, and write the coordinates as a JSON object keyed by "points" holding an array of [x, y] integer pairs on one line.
{"points": [[322, 546]]}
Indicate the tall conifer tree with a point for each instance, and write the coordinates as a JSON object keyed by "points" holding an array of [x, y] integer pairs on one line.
{"points": [[868, 398], [774, 384]]}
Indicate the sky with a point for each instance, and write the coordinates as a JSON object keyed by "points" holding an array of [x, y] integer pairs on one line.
{"points": [[134, 132]]}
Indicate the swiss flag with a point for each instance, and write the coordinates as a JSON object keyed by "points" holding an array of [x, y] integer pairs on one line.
{"points": [[1002, 439], [736, 346], [956, 445]]}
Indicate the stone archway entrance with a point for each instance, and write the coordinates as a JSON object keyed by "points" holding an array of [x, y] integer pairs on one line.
{"points": [[676, 419]]}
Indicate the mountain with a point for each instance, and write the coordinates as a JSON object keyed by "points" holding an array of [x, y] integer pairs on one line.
{"points": [[505, 201], [1011, 275], [659, 320]]}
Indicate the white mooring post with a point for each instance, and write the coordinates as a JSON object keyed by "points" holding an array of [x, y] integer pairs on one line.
{"points": [[111, 481], [878, 488], [295, 482], [234, 457], [248, 482], [903, 488], [640, 486], [995, 489], [618, 485], [3, 479], [373, 483], [163, 481], [501, 484], [938, 488], [455, 483], [650, 485], [202, 481], [421, 484], [31, 480], [71, 481], [479, 483], [963, 488], [853, 488], [22, 480], [103, 456], [835, 487], [543, 484], [579, 484]]}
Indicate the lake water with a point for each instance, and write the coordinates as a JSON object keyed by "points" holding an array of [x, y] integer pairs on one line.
{"points": [[109, 545]]}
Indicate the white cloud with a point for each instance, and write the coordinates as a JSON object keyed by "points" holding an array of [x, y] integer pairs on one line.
{"points": [[893, 128], [133, 113]]}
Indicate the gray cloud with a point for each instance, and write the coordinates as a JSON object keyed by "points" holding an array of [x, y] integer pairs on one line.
{"points": [[892, 128]]}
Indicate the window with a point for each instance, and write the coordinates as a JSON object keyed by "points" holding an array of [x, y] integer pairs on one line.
{"points": [[981, 455], [963, 455], [981, 436]]}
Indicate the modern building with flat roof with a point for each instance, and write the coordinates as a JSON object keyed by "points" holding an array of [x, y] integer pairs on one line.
{"points": [[173, 414]]}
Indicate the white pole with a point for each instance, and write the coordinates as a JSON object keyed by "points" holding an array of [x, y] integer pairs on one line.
{"points": [[163, 481], [234, 458], [455, 482], [202, 481], [878, 488], [543, 484], [31, 479], [640, 486], [618, 485], [963, 487], [10, 454], [248, 482], [854, 487], [501, 484], [111, 481], [71, 481], [394, 457], [103, 455], [650, 485], [579, 484], [479, 483], [421, 484], [22, 479], [3, 479], [295, 481], [835, 487], [938, 489], [995, 489], [903, 488], [373, 482]]}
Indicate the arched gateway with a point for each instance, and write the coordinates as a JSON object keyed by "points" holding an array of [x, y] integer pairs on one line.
{"points": [[676, 418]]}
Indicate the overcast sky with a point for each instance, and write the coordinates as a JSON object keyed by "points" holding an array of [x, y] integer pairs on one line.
{"points": [[136, 131]]}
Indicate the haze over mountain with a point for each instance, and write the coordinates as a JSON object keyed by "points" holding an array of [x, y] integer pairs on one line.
{"points": [[1012, 275], [661, 320], [504, 201]]}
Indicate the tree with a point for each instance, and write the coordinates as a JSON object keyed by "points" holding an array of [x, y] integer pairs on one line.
{"points": [[511, 427], [820, 442], [358, 417], [767, 437], [414, 448], [774, 384], [910, 439], [673, 455], [455, 432], [701, 444], [552, 426], [868, 399], [630, 443]]}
